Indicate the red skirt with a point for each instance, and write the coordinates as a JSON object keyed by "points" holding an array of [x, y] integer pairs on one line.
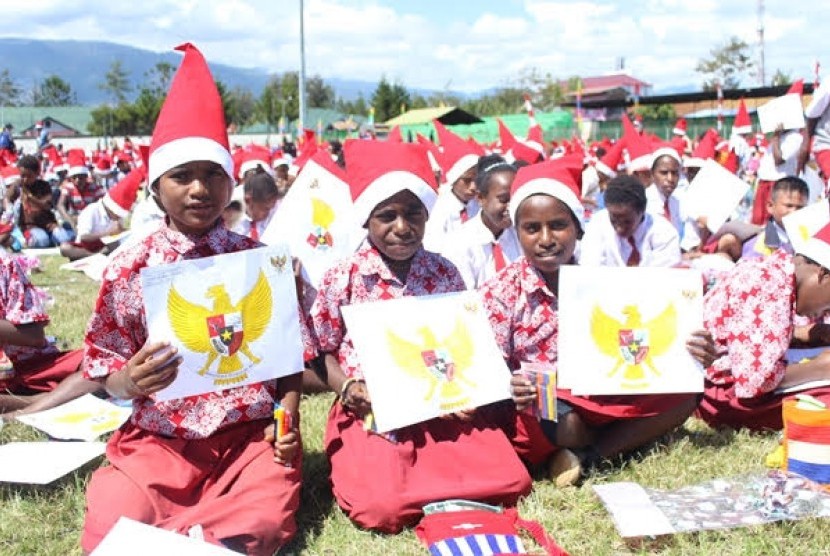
{"points": [[522, 429], [228, 483], [42, 374], [720, 407], [383, 485], [598, 411]]}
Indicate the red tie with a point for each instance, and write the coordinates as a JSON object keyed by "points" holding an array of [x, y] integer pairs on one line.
{"points": [[254, 231], [666, 211], [464, 215], [498, 256], [634, 257]]}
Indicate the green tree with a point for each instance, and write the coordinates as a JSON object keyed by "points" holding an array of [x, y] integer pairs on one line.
{"points": [[54, 91], [158, 78], [116, 83], [9, 91], [241, 107], [727, 64], [656, 111], [318, 93], [357, 107], [389, 100], [781, 78], [111, 121]]}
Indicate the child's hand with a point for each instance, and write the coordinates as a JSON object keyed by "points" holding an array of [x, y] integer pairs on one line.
{"points": [[285, 448], [153, 368], [522, 390], [702, 347], [356, 398]]}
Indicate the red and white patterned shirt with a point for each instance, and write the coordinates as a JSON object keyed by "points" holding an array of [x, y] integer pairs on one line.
{"points": [[362, 278], [523, 314], [77, 200], [21, 302], [750, 314], [118, 329]]}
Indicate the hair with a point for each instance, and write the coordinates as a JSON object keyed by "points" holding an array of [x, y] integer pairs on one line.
{"points": [[261, 187], [30, 162], [39, 188], [790, 184], [486, 167], [626, 190]]}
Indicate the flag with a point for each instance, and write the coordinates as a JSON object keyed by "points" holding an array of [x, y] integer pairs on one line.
{"points": [[816, 79], [371, 121], [528, 106], [720, 106], [281, 124], [319, 131], [579, 104]]}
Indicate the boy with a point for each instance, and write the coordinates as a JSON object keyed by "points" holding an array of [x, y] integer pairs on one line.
{"points": [[78, 190], [261, 197]]}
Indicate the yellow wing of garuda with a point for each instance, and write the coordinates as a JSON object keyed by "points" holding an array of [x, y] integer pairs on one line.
{"points": [[256, 309], [460, 345], [407, 355], [321, 213], [605, 331], [188, 322], [662, 330]]}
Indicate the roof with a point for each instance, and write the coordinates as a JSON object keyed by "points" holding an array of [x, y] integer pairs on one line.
{"points": [[24, 117], [447, 115], [610, 81]]}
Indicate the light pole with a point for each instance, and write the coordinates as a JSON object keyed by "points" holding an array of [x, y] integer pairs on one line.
{"points": [[302, 68]]}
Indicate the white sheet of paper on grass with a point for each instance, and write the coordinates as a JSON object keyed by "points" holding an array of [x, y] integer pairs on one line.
{"points": [[714, 194], [84, 418], [40, 463], [786, 110], [129, 537], [426, 356], [633, 512]]}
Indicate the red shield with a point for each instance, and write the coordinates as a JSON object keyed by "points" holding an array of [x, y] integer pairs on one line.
{"points": [[634, 345], [225, 332], [439, 363]]}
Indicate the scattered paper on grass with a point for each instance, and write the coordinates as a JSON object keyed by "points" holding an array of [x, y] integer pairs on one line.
{"points": [[84, 418], [40, 463], [130, 537]]}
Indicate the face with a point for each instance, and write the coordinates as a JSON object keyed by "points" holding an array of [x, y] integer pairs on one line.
{"points": [[465, 187], [80, 181], [494, 205], [547, 233], [259, 210], [813, 293], [624, 219], [396, 226], [666, 174], [783, 203], [644, 176], [194, 195], [27, 177]]}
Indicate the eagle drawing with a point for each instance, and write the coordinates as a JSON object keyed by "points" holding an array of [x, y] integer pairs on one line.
{"points": [[634, 343], [322, 216], [442, 364], [224, 331]]}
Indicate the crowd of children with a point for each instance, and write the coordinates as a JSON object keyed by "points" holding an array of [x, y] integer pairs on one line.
{"points": [[503, 222]]}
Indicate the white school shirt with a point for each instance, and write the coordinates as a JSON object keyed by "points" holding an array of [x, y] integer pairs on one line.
{"points": [[446, 217], [93, 219], [470, 249], [819, 107], [655, 237], [683, 224], [243, 227]]}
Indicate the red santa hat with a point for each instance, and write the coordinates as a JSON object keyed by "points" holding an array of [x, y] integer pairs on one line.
{"points": [[308, 148], [9, 174], [610, 161], [664, 149], [433, 154], [76, 161], [506, 138], [742, 122], [377, 170], [395, 135], [817, 248], [680, 127], [704, 151], [121, 196], [103, 164], [457, 155], [797, 87], [191, 124], [253, 157], [560, 178]]}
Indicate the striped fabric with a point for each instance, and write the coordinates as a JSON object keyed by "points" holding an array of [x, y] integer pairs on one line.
{"points": [[478, 545], [807, 442]]}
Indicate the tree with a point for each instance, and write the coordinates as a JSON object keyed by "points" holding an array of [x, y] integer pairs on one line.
{"points": [[781, 78], [389, 100], [727, 64], [358, 107], [54, 91], [159, 77], [241, 107], [319, 94], [656, 111], [9, 91], [116, 83]]}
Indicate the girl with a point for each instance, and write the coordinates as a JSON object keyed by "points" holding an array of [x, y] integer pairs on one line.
{"points": [[664, 200], [383, 481], [203, 465], [522, 306], [487, 243]]}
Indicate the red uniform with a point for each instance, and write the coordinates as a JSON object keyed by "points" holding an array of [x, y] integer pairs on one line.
{"points": [[199, 460], [383, 483]]}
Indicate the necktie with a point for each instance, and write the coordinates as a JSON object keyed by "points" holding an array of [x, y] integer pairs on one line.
{"points": [[666, 211], [254, 234], [634, 257], [464, 215], [498, 256]]}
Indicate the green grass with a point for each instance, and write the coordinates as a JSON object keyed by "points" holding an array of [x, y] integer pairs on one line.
{"points": [[48, 520]]}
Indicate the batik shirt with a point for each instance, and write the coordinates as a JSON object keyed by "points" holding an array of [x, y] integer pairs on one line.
{"points": [[118, 329], [78, 200], [750, 313], [362, 278]]}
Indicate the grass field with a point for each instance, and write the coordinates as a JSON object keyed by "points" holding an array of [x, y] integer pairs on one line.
{"points": [[48, 520]]}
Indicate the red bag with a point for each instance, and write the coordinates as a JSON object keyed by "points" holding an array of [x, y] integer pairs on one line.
{"points": [[482, 532]]}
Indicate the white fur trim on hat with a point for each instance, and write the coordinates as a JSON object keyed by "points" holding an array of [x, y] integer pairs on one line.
{"points": [[388, 185], [641, 163], [665, 151], [77, 170], [252, 165], [188, 149], [817, 250], [547, 186], [740, 130], [461, 165], [694, 162], [114, 207], [603, 167]]}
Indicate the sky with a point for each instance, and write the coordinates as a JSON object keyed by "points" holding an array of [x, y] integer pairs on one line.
{"points": [[459, 45]]}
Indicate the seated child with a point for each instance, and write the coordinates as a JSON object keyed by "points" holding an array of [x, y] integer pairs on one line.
{"points": [[382, 481], [624, 234], [522, 305], [208, 463], [35, 220], [751, 314], [486, 243], [261, 203]]}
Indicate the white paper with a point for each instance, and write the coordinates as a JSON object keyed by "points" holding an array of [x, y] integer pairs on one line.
{"points": [[233, 317], [40, 463], [802, 224], [131, 538], [84, 418], [93, 266], [426, 356], [315, 220], [633, 512], [109, 240], [786, 110], [714, 194], [624, 330]]}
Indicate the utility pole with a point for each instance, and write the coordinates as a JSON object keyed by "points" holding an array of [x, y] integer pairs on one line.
{"points": [[302, 70], [761, 76]]}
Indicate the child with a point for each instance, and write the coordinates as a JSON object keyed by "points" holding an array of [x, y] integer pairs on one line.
{"points": [[751, 314], [203, 465], [78, 190], [624, 234], [34, 219], [522, 305], [487, 243], [382, 481], [261, 202]]}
